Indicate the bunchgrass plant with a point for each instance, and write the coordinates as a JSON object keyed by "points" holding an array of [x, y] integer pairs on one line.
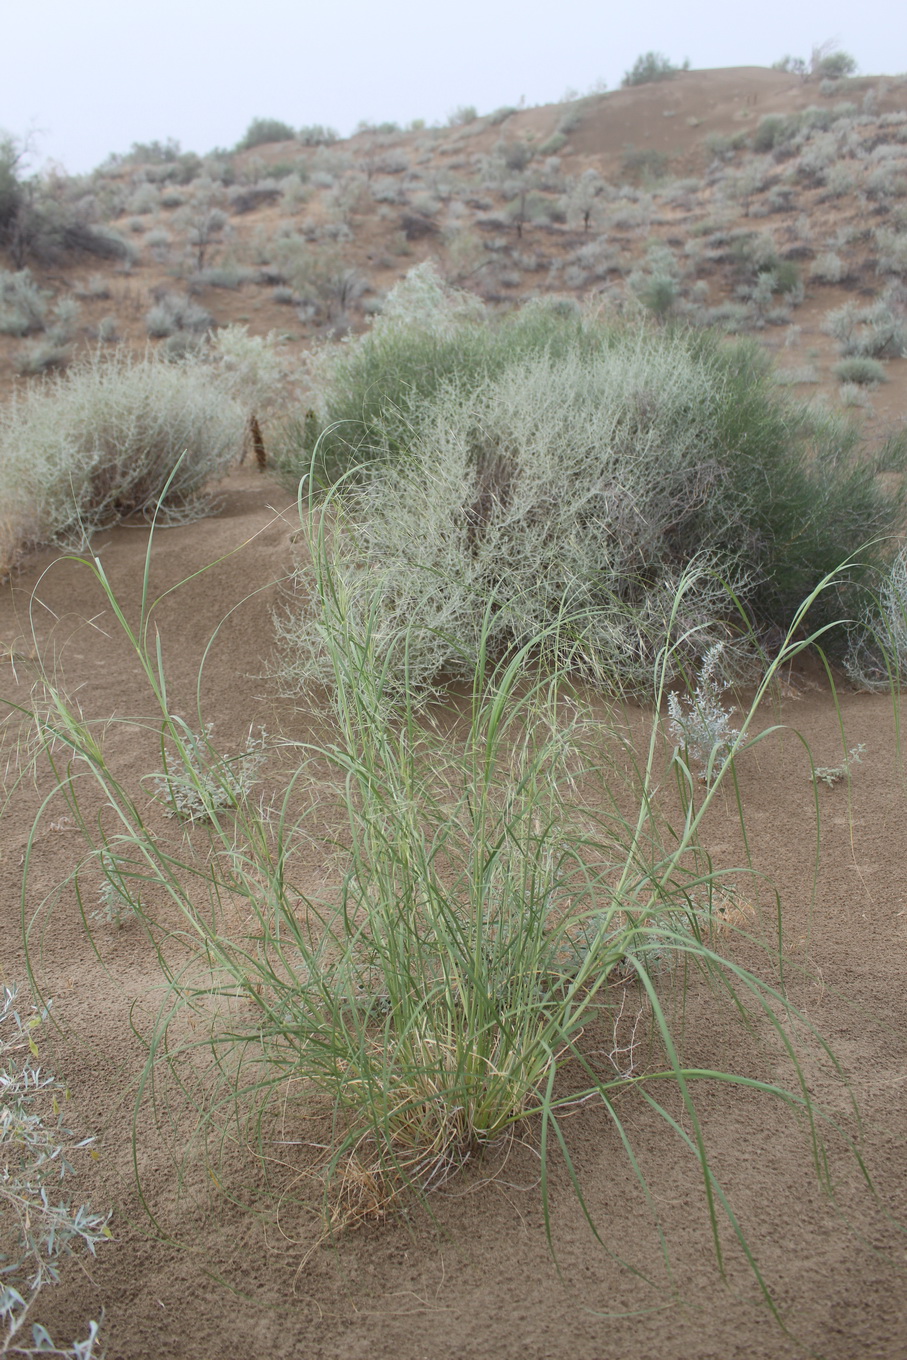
{"points": [[503, 870]]}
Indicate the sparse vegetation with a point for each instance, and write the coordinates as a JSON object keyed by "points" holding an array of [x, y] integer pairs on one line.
{"points": [[651, 66], [831, 64], [23, 305], [700, 723], [431, 1033], [408, 939], [878, 654], [174, 313]]}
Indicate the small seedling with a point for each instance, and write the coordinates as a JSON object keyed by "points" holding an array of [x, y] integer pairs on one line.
{"points": [[833, 774], [116, 904], [200, 782]]}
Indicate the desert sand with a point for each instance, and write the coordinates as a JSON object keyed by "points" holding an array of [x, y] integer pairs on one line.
{"points": [[192, 1273]]}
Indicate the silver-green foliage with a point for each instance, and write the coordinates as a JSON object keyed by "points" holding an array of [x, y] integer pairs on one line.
{"points": [[37, 1230], [700, 723], [651, 66], [878, 657], [878, 331], [201, 781], [111, 438], [553, 488], [176, 313], [23, 305], [860, 369]]}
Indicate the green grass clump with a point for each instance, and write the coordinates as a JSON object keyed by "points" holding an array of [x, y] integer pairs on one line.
{"points": [[860, 369], [85, 450], [498, 887]]}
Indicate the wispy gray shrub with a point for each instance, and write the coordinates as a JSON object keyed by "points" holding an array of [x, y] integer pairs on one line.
{"points": [[221, 276], [827, 268], [38, 1227], [543, 489], [101, 443], [892, 248], [245, 198], [466, 113], [23, 305], [878, 654], [174, 312], [315, 134], [455, 424], [42, 356], [645, 165], [878, 331], [97, 286], [145, 199]]}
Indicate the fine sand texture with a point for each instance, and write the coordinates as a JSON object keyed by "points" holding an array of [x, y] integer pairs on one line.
{"points": [[233, 1268]]}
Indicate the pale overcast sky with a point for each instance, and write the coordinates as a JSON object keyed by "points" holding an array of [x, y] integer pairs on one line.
{"points": [[92, 78]]}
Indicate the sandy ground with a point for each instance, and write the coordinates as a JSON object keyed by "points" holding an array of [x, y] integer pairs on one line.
{"points": [[208, 1278]]}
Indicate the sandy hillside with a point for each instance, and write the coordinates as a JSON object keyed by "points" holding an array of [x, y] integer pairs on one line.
{"points": [[304, 242]]}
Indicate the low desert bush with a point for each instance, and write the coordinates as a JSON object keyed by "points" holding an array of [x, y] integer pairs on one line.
{"points": [[651, 66], [221, 276], [145, 199], [860, 370], [263, 130], [645, 165], [892, 251], [23, 305], [878, 331], [542, 490], [827, 268], [459, 117], [174, 313], [831, 65], [42, 356], [113, 438], [554, 460], [315, 134]]}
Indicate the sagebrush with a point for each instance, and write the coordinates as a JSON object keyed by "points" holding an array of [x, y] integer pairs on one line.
{"points": [[112, 438], [560, 462]]}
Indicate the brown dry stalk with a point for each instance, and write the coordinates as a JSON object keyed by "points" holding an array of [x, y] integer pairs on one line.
{"points": [[256, 439]]}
